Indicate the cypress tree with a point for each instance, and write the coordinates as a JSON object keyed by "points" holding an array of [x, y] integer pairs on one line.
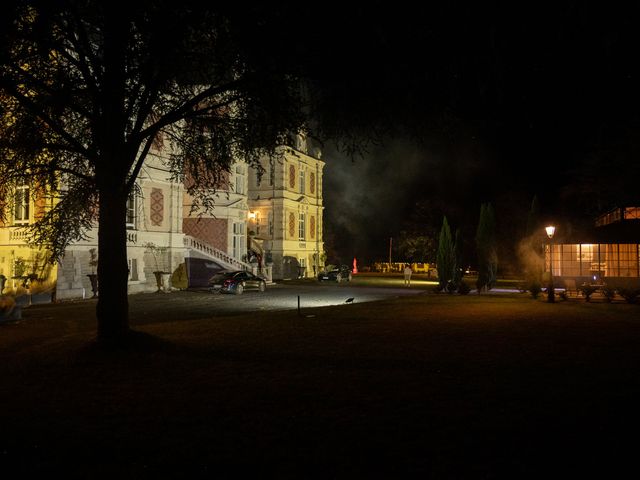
{"points": [[533, 219], [446, 257], [486, 248], [457, 259]]}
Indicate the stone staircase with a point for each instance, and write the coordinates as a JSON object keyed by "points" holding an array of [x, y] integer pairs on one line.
{"points": [[207, 251]]}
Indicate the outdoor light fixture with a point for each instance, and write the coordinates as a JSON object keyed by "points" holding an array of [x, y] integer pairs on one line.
{"points": [[252, 215], [550, 230], [550, 293]]}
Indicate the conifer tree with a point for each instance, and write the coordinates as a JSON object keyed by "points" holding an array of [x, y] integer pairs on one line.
{"points": [[533, 219], [486, 249], [446, 256], [457, 259]]}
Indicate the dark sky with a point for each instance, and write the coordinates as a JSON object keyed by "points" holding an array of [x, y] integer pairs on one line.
{"points": [[482, 103]]}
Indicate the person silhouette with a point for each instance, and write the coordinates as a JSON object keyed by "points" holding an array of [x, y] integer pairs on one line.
{"points": [[407, 275]]}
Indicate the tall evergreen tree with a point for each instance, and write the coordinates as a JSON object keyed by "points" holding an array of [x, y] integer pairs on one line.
{"points": [[530, 252], [445, 258], [486, 248], [457, 259], [533, 219]]}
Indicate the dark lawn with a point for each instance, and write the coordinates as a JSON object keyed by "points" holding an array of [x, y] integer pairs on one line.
{"points": [[430, 386]]}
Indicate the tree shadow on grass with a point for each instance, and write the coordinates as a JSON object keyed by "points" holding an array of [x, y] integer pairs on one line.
{"points": [[134, 342]]}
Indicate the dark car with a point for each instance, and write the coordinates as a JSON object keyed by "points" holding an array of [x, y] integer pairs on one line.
{"points": [[336, 275], [236, 282]]}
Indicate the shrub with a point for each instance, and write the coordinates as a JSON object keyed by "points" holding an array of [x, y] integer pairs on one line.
{"points": [[7, 303], [609, 293], [463, 288], [630, 294], [20, 290], [587, 291], [179, 277], [535, 289], [9, 291]]}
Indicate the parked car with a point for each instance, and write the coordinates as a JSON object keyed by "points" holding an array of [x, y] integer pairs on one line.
{"points": [[337, 274], [236, 282]]}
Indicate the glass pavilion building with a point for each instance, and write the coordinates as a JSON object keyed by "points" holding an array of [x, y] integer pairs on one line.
{"points": [[610, 253]]}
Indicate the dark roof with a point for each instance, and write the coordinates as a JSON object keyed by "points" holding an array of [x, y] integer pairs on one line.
{"points": [[626, 231]]}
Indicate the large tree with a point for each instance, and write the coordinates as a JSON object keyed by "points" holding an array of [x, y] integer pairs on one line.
{"points": [[87, 87]]}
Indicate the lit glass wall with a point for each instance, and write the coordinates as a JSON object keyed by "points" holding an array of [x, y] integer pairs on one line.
{"points": [[594, 260]]}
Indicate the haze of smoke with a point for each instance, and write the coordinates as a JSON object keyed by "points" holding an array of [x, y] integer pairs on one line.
{"points": [[368, 196], [530, 257]]}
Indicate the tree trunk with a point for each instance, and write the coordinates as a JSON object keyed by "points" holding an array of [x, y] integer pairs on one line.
{"points": [[113, 303], [112, 166]]}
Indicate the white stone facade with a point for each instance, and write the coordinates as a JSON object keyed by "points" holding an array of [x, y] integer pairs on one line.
{"points": [[286, 210], [272, 226]]}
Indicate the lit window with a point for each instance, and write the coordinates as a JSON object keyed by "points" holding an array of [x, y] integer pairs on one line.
{"points": [[301, 226], [632, 213], [133, 269], [239, 179], [131, 212], [21, 210], [302, 178], [238, 241]]}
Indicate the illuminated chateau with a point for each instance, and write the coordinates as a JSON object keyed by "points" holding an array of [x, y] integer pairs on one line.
{"points": [[270, 224], [285, 217]]}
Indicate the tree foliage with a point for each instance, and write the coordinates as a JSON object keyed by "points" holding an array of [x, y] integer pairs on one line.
{"points": [[486, 248], [87, 89], [417, 240], [533, 218], [445, 259], [415, 248], [458, 266]]}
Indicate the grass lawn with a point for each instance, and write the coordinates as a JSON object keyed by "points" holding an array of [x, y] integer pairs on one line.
{"points": [[427, 386], [418, 280]]}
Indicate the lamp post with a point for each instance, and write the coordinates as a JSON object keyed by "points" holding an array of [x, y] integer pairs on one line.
{"points": [[550, 293]]}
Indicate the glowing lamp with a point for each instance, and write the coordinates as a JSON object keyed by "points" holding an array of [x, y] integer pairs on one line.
{"points": [[550, 293], [550, 230], [252, 215]]}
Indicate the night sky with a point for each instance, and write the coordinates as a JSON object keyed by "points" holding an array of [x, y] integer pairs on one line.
{"points": [[481, 103]]}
